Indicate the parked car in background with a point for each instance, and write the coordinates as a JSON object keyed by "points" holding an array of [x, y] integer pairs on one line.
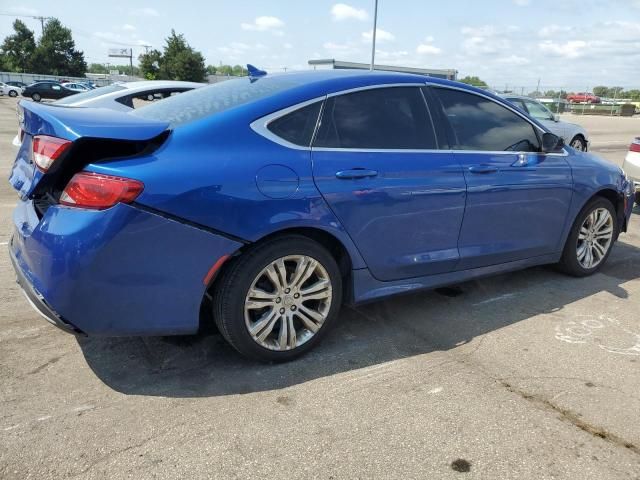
{"points": [[16, 83], [78, 87], [583, 97], [631, 166], [121, 96], [10, 90], [47, 89], [261, 204], [572, 134]]}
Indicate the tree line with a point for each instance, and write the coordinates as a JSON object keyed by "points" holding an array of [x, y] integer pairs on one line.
{"points": [[55, 53]]}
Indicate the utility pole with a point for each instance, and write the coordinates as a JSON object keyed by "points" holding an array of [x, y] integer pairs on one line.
{"points": [[373, 37], [42, 19], [131, 61]]}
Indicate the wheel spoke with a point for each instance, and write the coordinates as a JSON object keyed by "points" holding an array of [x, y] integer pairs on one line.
{"points": [[317, 291], [308, 271], [311, 319], [604, 233], [600, 249], [263, 327], [583, 233], [582, 250], [603, 217], [273, 276], [282, 273], [284, 332]]}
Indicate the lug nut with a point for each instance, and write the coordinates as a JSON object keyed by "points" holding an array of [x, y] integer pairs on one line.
{"points": [[293, 307], [296, 295], [282, 310], [287, 290], [278, 300]]}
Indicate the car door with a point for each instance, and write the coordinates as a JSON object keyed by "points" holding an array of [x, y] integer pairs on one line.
{"points": [[517, 197], [376, 163]]}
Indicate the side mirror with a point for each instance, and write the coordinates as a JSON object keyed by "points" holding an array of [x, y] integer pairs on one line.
{"points": [[551, 143]]}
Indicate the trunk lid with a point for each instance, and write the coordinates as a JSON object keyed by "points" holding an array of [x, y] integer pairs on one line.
{"points": [[96, 133]]}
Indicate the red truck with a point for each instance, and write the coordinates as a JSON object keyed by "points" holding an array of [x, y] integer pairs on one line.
{"points": [[583, 97]]}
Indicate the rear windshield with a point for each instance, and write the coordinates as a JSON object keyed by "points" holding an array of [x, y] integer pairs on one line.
{"points": [[205, 101], [79, 97]]}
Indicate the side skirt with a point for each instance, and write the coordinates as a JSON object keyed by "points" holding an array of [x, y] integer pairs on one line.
{"points": [[366, 288]]}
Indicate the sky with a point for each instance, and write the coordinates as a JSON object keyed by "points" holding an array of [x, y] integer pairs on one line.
{"points": [[571, 44]]}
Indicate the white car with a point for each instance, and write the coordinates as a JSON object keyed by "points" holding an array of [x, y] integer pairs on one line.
{"points": [[9, 90], [631, 165], [125, 96], [573, 135], [78, 87]]}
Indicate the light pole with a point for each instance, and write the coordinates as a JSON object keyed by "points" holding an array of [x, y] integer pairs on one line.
{"points": [[373, 37]]}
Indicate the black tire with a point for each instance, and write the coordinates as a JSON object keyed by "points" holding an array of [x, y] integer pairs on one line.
{"points": [[569, 263], [36, 97], [231, 289], [579, 143], [13, 93]]}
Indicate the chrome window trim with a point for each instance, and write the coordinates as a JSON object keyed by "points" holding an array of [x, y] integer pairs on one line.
{"points": [[260, 125]]}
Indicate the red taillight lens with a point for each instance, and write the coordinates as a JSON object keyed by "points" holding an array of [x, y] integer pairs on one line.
{"points": [[47, 149], [635, 146], [97, 191]]}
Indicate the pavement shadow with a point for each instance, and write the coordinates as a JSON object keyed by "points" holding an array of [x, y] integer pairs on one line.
{"points": [[400, 327]]}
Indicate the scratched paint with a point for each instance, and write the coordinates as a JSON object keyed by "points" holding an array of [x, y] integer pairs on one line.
{"points": [[603, 331]]}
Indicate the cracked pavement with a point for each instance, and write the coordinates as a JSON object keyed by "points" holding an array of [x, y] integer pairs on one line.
{"points": [[529, 375]]}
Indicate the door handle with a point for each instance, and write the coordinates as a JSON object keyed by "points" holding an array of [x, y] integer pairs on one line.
{"points": [[483, 169], [356, 173]]}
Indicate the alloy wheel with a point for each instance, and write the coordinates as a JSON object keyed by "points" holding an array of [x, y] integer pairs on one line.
{"points": [[288, 302], [595, 238], [578, 144]]}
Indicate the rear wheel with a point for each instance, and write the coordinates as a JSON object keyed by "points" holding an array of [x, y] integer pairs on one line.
{"points": [[36, 97], [579, 143], [591, 239], [276, 301]]}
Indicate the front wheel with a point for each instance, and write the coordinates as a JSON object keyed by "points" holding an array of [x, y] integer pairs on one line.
{"points": [[591, 239], [276, 301], [579, 143], [13, 93], [36, 97]]}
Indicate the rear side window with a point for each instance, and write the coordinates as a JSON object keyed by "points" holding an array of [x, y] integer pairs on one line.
{"points": [[380, 118], [482, 124], [297, 127]]}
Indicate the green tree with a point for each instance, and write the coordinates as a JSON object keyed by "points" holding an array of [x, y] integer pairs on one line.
{"points": [[474, 81], [601, 91], [56, 52], [16, 52], [150, 64], [97, 68], [211, 69], [180, 61], [239, 71], [224, 70]]}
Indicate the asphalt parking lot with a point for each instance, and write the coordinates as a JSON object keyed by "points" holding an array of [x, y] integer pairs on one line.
{"points": [[529, 375]]}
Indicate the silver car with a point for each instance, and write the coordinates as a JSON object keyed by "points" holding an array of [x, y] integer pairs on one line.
{"points": [[126, 96], [572, 134]]}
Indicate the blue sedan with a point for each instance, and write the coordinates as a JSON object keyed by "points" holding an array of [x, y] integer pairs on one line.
{"points": [[261, 204]]}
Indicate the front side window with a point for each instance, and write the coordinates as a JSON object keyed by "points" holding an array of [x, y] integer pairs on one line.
{"points": [[297, 127], [539, 111], [479, 123], [380, 118]]}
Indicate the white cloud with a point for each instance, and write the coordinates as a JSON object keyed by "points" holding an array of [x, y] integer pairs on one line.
{"points": [[264, 24], [234, 49], [128, 27], [486, 39], [145, 12], [342, 11], [513, 60], [522, 3], [288, 46], [20, 10], [551, 30], [570, 49], [340, 48], [381, 36], [427, 49]]}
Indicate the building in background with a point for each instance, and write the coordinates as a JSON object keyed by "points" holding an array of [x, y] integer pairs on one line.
{"points": [[449, 74]]}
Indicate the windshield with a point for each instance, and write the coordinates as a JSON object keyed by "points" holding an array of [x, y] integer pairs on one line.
{"points": [[89, 94], [205, 101]]}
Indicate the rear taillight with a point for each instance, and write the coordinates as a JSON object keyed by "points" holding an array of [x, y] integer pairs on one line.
{"points": [[635, 146], [47, 149], [97, 191]]}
